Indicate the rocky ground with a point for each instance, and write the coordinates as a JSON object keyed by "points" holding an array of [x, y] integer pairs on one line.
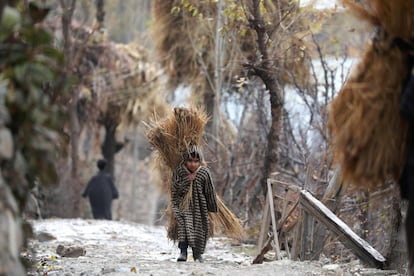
{"points": [[95, 247]]}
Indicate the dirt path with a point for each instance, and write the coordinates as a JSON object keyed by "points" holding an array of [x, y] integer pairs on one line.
{"points": [[125, 248]]}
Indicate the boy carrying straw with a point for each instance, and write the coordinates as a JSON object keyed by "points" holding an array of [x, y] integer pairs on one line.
{"points": [[195, 210]]}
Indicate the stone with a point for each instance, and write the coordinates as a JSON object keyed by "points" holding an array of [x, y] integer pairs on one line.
{"points": [[70, 251]]}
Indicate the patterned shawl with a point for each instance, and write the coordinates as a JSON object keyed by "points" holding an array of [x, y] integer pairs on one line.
{"points": [[192, 218]]}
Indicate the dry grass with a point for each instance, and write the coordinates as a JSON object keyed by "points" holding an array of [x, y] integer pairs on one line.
{"points": [[368, 133], [172, 135], [227, 221]]}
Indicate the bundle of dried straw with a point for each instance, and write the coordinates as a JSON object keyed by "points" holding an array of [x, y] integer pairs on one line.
{"points": [[368, 133], [170, 138]]}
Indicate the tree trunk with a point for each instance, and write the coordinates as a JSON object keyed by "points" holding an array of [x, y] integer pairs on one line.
{"points": [[273, 138], [209, 103], [109, 147], [2, 5], [68, 8], [100, 13], [218, 72], [271, 157], [264, 71]]}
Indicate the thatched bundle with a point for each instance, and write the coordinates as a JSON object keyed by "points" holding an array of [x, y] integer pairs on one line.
{"points": [[368, 133], [171, 138]]}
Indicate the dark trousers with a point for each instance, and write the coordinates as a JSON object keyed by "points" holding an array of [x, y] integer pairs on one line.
{"points": [[183, 246]]}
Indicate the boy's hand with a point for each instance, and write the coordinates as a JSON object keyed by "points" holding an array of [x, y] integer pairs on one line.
{"points": [[192, 176]]}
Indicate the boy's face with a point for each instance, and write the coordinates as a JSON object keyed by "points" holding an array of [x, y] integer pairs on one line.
{"points": [[192, 164]]}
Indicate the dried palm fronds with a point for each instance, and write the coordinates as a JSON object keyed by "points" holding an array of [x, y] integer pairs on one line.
{"points": [[171, 138], [368, 133]]}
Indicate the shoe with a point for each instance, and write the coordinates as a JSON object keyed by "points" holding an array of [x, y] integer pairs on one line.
{"points": [[182, 257], [199, 258]]}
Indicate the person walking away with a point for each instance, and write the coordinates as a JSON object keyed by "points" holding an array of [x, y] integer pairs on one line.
{"points": [[101, 191], [193, 196]]}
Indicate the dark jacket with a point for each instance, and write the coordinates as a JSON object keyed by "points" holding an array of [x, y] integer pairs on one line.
{"points": [[101, 191], [407, 112], [407, 99]]}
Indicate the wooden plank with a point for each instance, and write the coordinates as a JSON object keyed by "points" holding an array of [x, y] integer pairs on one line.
{"points": [[272, 214], [297, 241], [334, 186], [287, 246], [290, 186], [264, 229], [306, 251], [359, 247]]}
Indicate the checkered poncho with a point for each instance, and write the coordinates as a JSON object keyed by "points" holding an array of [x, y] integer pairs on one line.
{"points": [[192, 220]]}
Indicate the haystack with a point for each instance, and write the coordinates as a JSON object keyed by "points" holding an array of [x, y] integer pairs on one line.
{"points": [[368, 133], [170, 138]]}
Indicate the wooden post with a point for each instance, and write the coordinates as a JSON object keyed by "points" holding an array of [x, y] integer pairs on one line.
{"points": [[272, 213], [264, 229], [297, 240]]}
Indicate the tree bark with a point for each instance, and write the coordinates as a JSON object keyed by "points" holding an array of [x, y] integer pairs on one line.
{"points": [[100, 13], [263, 70], [218, 73], [68, 8], [109, 147], [209, 103]]}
